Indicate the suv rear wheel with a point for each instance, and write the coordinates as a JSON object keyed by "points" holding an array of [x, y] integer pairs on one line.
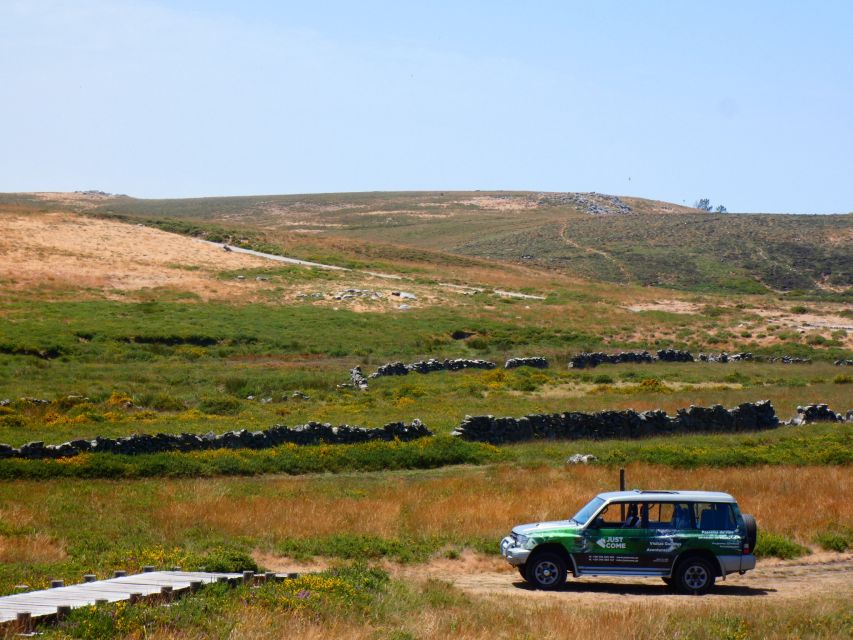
{"points": [[694, 576], [546, 571]]}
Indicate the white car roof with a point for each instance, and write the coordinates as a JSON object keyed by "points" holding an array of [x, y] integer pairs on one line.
{"points": [[638, 495]]}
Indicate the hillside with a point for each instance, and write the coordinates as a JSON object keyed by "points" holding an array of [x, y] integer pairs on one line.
{"points": [[620, 240]]}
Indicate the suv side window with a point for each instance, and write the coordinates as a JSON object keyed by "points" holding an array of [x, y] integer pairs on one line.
{"points": [[669, 515], [714, 516], [612, 516]]}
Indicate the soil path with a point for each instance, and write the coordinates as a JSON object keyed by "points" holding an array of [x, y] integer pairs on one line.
{"points": [[821, 573], [621, 267], [480, 575]]}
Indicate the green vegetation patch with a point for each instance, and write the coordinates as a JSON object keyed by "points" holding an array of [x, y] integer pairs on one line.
{"points": [[774, 545], [426, 453]]}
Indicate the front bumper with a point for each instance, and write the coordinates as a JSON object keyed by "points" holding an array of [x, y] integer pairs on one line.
{"points": [[514, 555]]}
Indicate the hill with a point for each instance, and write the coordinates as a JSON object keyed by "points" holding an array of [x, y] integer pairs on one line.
{"points": [[595, 236]]}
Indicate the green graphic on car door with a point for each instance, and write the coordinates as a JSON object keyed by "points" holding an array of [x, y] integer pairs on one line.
{"points": [[639, 535]]}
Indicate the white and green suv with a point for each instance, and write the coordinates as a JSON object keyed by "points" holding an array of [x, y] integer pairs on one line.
{"points": [[688, 538]]}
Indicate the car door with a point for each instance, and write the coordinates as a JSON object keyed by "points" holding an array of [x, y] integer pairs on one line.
{"points": [[614, 542], [670, 526]]}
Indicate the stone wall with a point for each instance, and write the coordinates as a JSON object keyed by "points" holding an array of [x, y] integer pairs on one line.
{"points": [[617, 424], [538, 363], [307, 434], [588, 360], [428, 366], [819, 413]]}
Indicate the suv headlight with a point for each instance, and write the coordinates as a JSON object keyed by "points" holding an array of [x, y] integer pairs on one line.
{"points": [[521, 540]]}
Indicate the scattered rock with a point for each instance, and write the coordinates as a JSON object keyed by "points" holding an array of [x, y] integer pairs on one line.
{"points": [[844, 363], [581, 458], [405, 295], [349, 294], [597, 204]]}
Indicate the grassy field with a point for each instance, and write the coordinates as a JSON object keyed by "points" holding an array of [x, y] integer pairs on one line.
{"points": [[176, 336], [191, 366], [365, 604], [67, 528]]}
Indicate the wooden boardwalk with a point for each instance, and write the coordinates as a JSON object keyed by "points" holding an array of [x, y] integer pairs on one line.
{"points": [[25, 607]]}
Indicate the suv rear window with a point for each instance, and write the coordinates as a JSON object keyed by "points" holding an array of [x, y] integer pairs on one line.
{"points": [[714, 516]]}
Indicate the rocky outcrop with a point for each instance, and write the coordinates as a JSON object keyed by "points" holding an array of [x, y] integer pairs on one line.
{"points": [[538, 363], [596, 204], [307, 434], [617, 424], [843, 363]]}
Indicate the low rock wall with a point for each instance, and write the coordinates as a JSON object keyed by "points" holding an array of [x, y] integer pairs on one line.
{"points": [[515, 363], [618, 424], [588, 360], [311, 433], [428, 366]]}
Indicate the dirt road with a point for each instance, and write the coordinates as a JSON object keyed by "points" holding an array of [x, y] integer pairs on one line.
{"points": [[774, 580]]}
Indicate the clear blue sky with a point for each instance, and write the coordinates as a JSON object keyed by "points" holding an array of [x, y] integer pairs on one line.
{"points": [[747, 103]]}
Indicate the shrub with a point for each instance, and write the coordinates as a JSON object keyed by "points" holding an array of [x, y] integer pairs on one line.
{"points": [[603, 378], [220, 406], [13, 420], [842, 378], [227, 561], [838, 539], [161, 402], [778, 546]]}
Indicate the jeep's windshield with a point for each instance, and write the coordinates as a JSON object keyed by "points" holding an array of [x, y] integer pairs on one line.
{"points": [[584, 514]]}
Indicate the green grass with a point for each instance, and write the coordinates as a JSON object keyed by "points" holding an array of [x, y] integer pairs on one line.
{"points": [[291, 459], [806, 445]]}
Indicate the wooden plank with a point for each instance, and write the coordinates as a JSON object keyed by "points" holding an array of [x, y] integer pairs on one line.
{"points": [[45, 602]]}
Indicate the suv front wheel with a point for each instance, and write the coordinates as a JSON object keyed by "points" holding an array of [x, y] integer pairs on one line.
{"points": [[694, 576], [546, 571]]}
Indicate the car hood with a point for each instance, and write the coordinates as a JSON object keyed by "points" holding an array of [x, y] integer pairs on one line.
{"points": [[540, 527]]}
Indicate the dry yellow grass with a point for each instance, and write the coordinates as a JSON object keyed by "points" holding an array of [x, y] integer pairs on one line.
{"points": [[485, 502], [29, 549], [437, 611]]}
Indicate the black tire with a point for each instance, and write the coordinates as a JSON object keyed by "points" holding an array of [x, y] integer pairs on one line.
{"points": [[694, 576], [522, 569], [546, 571], [751, 532]]}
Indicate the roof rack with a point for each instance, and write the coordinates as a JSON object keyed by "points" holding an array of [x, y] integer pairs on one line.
{"points": [[654, 491]]}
